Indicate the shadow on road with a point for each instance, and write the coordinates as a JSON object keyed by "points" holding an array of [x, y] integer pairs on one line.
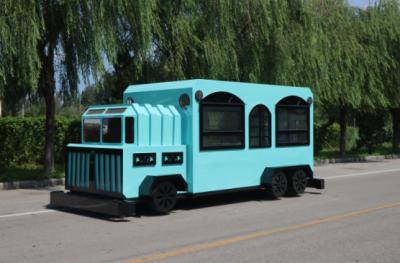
{"points": [[187, 203]]}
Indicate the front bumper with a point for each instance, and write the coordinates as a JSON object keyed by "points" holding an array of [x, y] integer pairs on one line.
{"points": [[316, 183], [91, 203]]}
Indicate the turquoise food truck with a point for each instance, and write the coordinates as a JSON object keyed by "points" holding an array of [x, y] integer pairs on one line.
{"points": [[188, 138]]}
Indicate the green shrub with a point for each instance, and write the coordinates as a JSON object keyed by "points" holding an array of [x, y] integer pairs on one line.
{"points": [[333, 135], [375, 129], [22, 139]]}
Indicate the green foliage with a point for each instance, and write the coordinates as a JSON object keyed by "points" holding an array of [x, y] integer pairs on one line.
{"points": [[100, 93], [350, 57], [22, 139], [382, 34], [333, 134], [327, 153], [28, 172], [20, 29], [374, 129]]}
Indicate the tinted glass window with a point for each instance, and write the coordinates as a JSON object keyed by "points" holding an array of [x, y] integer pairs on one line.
{"points": [[222, 122], [293, 125], [111, 130], [129, 134], [293, 119], [95, 111], [219, 118], [260, 127], [115, 110], [91, 130]]}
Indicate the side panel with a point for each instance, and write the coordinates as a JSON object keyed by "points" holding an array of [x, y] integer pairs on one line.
{"points": [[182, 119], [135, 175], [215, 170]]}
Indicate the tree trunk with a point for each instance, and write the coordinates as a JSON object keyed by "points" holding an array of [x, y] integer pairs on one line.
{"points": [[47, 88], [0, 109], [396, 129], [343, 128]]}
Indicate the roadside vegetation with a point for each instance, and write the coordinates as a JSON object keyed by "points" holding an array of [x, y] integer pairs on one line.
{"points": [[348, 56]]}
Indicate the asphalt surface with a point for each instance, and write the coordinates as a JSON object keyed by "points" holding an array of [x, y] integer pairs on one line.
{"points": [[356, 219]]}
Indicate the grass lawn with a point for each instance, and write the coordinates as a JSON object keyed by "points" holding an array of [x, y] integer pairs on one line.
{"points": [[28, 172]]}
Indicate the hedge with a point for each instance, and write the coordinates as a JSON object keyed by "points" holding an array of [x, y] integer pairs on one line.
{"points": [[22, 139]]}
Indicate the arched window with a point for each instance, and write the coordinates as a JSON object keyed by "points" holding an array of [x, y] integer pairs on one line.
{"points": [[292, 122], [221, 122], [260, 127]]}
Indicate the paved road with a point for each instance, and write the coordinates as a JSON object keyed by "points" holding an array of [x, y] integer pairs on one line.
{"points": [[356, 219]]}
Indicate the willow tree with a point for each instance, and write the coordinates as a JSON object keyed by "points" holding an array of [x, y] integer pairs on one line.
{"points": [[20, 29], [195, 39], [384, 36], [64, 38], [338, 64], [256, 30]]}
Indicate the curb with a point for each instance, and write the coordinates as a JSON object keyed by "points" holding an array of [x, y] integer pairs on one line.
{"points": [[356, 159], [31, 184]]}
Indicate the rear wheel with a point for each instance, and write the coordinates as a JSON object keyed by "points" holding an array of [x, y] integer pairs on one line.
{"points": [[297, 183], [163, 197], [278, 185]]}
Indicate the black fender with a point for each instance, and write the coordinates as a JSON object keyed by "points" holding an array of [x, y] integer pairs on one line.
{"points": [[269, 171], [151, 181]]}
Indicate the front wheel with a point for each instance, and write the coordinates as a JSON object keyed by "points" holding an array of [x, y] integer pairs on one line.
{"points": [[163, 197], [278, 185]]}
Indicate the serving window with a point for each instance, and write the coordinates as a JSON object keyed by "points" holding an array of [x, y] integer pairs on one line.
{"points": [[293, 122], [260, 127], [221, 122]]}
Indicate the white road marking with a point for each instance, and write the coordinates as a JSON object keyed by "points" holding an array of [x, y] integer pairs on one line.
{"points": [[27, 213], [360, 174]]}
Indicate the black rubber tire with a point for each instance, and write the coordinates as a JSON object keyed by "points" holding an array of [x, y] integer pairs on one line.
{"points": [[163, 197], [297, 183], [278, 186]]}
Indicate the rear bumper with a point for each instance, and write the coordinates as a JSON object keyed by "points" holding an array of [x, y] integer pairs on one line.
{"points": [[316, 183], [100, 205]]}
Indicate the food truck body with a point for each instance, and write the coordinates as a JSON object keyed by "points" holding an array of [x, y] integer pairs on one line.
{"points": [[190, 138]]}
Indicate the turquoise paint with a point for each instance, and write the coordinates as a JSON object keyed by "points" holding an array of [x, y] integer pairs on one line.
{"points": [[69, 168], [118, 174], [102, 172], [161, 125], [78, 167], [107, 173], [113, 179], [96, 169], [87, 169]]}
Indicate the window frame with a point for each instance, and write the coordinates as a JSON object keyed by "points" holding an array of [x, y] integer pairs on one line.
{"points": [[202, 133], [302, 104], [261, 127]]}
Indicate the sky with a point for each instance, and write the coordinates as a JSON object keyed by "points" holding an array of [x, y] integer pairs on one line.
{"points": [[360, 3]]}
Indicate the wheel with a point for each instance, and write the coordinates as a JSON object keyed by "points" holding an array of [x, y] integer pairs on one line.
{"points": [[278, 185], [163, 197], [297, 183]]}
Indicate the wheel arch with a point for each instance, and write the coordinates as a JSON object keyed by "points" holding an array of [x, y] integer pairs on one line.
{"points": [[269, 171], [151, 181]]}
